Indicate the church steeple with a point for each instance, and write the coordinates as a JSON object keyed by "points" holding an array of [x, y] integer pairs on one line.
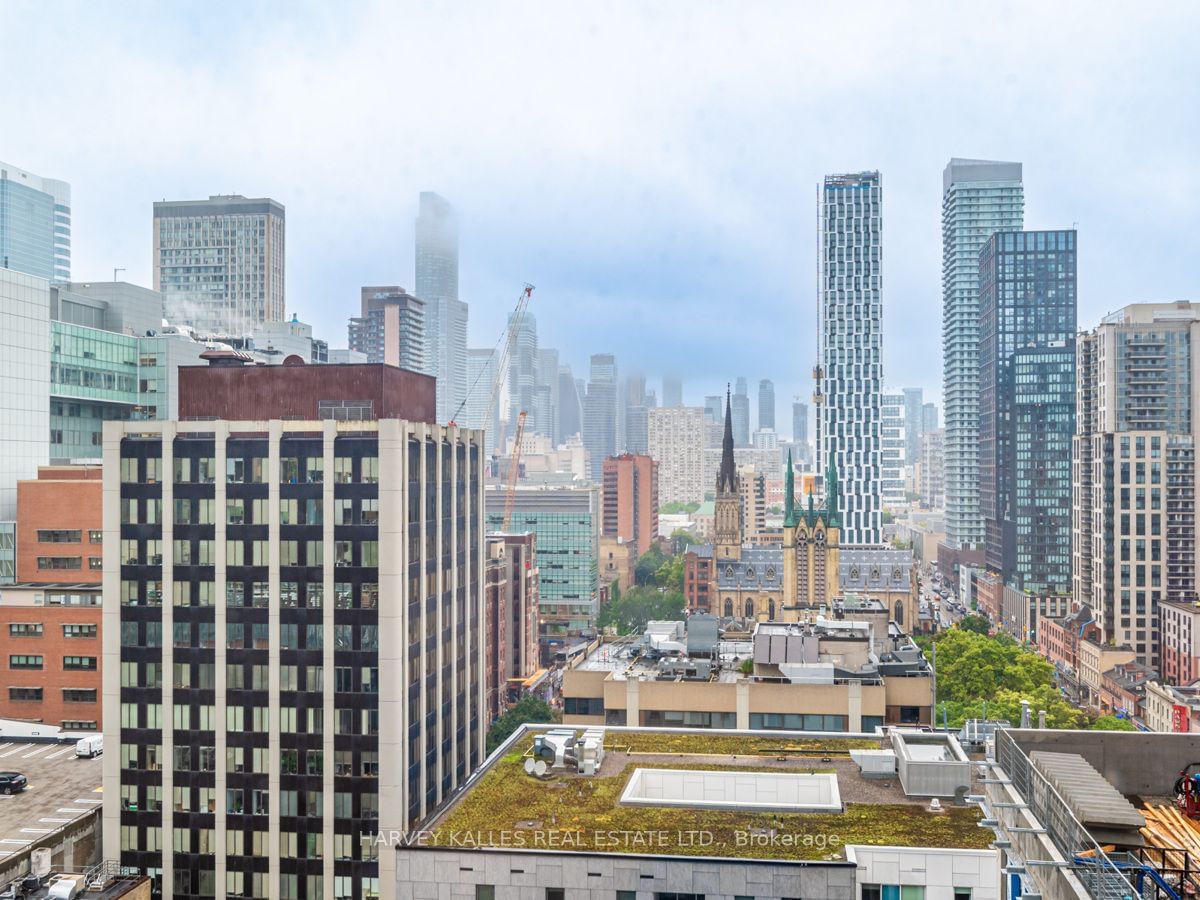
{"points": [[790, 519], [831, 494], [727, 477]]}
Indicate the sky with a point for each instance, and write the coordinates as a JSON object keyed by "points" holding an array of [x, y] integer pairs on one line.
{"points": [[651, 167]]}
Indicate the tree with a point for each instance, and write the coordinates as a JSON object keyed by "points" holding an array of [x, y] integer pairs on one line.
{"points": [[1111, 723], [648, 565], [977, 624], [681, 538], [528, 709], [630, 612]]}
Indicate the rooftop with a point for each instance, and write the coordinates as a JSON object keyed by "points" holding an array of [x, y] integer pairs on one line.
{"points": [[62, 787], [586, 813]]}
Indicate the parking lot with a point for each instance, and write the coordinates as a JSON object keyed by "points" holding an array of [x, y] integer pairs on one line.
{"points": [[61, 787]]}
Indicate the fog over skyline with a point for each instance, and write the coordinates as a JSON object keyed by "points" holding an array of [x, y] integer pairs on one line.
{"points": [[652, 168]]}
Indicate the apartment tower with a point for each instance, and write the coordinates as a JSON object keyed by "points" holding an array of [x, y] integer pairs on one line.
{"points": [[436, 283]]}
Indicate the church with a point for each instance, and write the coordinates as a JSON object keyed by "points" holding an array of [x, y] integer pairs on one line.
{"points": [[804, 576]]}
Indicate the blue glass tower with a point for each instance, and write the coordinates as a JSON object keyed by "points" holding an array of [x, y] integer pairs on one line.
{"points": [[35, 224]]}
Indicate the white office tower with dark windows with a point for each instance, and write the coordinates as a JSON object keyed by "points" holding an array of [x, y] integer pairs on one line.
{"points": [[293, 637]]}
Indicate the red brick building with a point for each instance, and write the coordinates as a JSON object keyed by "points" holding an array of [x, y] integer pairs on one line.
{"points": [[699, 575], [629, 500], [59, 526], [1179, 641], [511, 601], [1123, 689], [51, 658], [1058, 639]]}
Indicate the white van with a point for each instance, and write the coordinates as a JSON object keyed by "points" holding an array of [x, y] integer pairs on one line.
{"points": [[90, 746]]}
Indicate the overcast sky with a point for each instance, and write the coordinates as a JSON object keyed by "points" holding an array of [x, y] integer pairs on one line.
{"points": [[651, 167]]}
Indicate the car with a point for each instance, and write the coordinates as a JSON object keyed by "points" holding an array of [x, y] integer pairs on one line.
{"points": [[12, 782]]}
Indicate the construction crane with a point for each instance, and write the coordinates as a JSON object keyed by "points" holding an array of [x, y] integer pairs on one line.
{"points": [[500, 355], [514, 472]]}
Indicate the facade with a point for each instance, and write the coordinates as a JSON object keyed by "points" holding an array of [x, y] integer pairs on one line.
{"points": [[600, 412], [1133, 468], [850, 369], [675, 440], [52, 641], [1179, 641], [390, 328], [1096, 658], [893, 448], [1058, 638], [291, 661], [741, 413], [59, 526], [1123, 689], [482, 411], [800, 432], [766, 404], [35, 224], [979, 198], [929, 418], [219, 263], [672, 390], [933, 485], [546, 394], [24, 382], [496, 622], [629, 501], [523, 374], [1027, 304], [914, 424], [565, 523], [436, 283], [522, 579]]}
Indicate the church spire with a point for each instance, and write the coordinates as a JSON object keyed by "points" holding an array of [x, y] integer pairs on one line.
{"points": [[831, 493], [789, 494], [727, 474]]}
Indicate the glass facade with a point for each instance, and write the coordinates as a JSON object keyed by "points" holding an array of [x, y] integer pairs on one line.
{"points": [[24, 382], [93, 378], [1027, 288], [35, 224]]}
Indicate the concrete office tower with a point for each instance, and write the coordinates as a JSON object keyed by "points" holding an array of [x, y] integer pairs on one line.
{"points": [[436, 283], [741, 413], [219, 263], [600, 412], [892, 448], [570, 414], [766, 404], [932, 485], [914, 424], [672, 388], [566, 526], [676, 439], [629, 501], [800, 431], [481, 373], [391, 328], [523, 374], [635, 414], [24, 382], [277, 688], [35, 224], [979, 198], [1027, 304], [929, 418], [851, 338], [714, 408], [546, 394], [1134, 468]]}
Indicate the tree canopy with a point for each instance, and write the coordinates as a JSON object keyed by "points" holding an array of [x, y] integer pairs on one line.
{"points": [[629, 612], [528, 709]]}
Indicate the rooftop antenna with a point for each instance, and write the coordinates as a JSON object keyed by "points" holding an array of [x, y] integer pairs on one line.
{"points": [[115, 271]]}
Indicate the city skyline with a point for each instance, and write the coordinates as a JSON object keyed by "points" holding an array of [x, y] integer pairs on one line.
{"points": [[651, 216]]}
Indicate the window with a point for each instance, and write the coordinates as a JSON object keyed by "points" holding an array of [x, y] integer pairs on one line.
{"points": [[25, 629], [25, 693], [24, 662], [893, 892], [555, 894], [59, 536], [78, 631], [962, 893], [60, 562], [79, 695], [485, 892], [79, 662]]}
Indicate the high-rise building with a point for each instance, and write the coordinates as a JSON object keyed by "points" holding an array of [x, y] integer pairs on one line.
{"points": [[914, 424], [436, 283], [766, 404], [1027, 306], [892, 447], [850, 367], [277, 688], [219, 263], [24, 382], [635, 410], [1134, 469], [672, 388], [523, 373], [629, 501], [676, 439], [547, 394], [570, 414], [391, 328], [713, 408], [800, 430], [565, 523], [600, 412], [35, 224], [932, 486], [979, 198], [741, 413], [929, 418], [481, 376]]}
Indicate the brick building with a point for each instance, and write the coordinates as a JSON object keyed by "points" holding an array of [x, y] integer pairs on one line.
{"points": [[1123, 688], [698, 577], [59, 527], [51, 659], [630, 500], [1179, 641], [1058, 638]]}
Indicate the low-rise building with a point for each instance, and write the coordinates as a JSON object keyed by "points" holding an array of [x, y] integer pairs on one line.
{"points": [[826, 674], [1179, 640], [1021, 612], [618, 562], [1095, 659], [1123, 689], [1168, 707], [60, 526]]}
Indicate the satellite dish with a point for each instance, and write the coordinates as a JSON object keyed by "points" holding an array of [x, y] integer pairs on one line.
{"points": [[539, 768], [529, 766]]}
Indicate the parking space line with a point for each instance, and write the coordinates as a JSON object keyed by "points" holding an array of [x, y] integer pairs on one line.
{"points": [[14, 841], [35, 752], [85, 800], [37, 830], [5, 746], [16, 749], [54, 821], [62, 752], [68, 809]]}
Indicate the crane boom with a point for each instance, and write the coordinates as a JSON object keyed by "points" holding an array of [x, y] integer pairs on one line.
{"points": [[514, 471], [500, 355]]}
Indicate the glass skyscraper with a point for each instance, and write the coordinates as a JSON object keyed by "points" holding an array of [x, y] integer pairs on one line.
{"points": [[1027, 299], [436, 283], [851, 369], [35, 224], [979, 198]]}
